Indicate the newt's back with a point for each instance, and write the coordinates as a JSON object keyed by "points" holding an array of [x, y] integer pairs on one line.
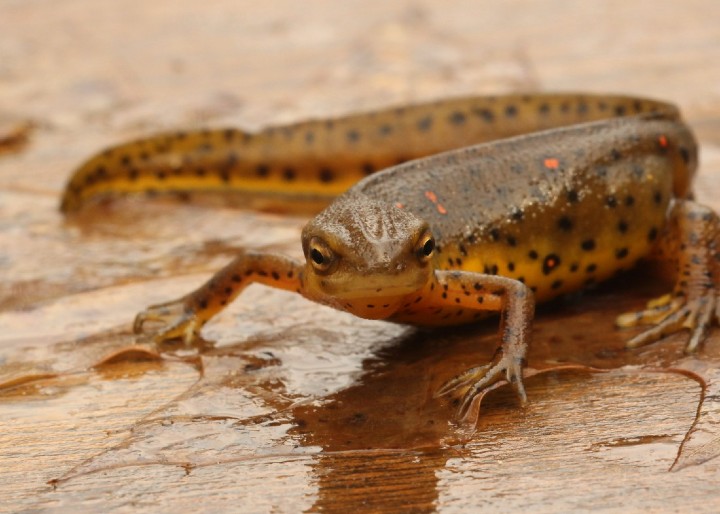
{"points": [[557, 209]]}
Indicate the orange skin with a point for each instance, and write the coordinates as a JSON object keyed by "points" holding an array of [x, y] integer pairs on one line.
{"points": [[488, 205]]}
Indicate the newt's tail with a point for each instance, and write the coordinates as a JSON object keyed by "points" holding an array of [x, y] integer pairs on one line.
{"points": [[213, 160], [314, 161]]}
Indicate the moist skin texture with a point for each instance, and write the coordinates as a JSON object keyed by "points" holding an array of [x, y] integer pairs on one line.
{"points": [[482, 204]]}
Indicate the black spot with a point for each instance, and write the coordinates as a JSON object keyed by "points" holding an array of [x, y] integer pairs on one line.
{"points": [[588, 245], [352, 135], [228, 290], [275, 275], [657, 197], [572, 196], [544, 108], [629, 200], [533, 254], [565, 224], [557, 284], [516, 214], [457, 118], [368, 168], [458, 261], [611, 201], [550, 262], [229, 134], [203, 303], [511, 111], [511, 266], [457, 300], [601, 171], [289, 174], [615, 155], [385, 129], [326, 175], [582, 108], [621, 253], [652, 235], [200, 172], [262, 170], [620, 110], [424, 124], [511, 241], [478, 286], [495, 234], [485, 114], [370, 306], [462, 249], [494, 269], [685, 154], [225, 176], [480, 299], [521, 280], [444, 295], [126, 160], [590, 268], [574, 267], [622, 226], [236, 278]]}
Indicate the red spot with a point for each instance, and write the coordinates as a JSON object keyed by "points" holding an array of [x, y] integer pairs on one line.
{"points": [[663, 141], [434, 199], [551, 163], [399, 205]]}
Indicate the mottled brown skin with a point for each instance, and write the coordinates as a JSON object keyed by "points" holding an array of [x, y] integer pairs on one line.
{"points": [[572, 189]]}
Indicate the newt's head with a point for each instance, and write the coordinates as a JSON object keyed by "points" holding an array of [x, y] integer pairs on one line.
{"points": [[366, 256]]}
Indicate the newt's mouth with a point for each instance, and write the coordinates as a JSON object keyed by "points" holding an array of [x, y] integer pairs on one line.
{"points": [[373, 288]]}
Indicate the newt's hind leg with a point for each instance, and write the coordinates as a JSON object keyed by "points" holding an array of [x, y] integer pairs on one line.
{"points": [[693, 240], [183, 318]]}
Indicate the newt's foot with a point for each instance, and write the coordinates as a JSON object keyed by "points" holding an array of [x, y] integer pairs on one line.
{"points": [[480, 378], [177, 319], [670, 314]]}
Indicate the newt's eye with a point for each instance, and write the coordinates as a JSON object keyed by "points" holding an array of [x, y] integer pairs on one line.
{"points": [[425, 247], [320, 255]]}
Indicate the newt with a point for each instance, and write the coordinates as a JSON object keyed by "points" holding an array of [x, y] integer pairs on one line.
{"points": [[440, 213]]}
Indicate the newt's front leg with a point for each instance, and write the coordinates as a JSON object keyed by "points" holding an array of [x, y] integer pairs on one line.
{"points": [[184, 317], [692, 241], [516, 304]]}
